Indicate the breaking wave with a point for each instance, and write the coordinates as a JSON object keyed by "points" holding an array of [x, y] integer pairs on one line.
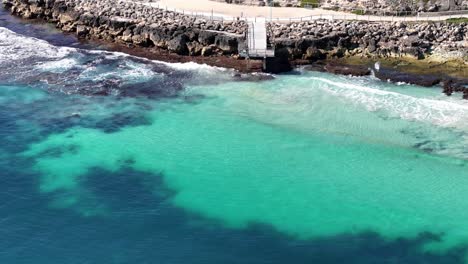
{"points": [[445, 113], [33, 61], [14, 47]]}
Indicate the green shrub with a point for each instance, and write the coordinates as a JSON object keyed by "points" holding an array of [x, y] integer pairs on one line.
{"points": [[313, 3], [458, 20], [359, 12]]}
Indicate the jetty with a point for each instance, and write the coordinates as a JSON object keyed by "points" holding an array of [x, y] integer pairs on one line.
{"points": [[257, 42]]}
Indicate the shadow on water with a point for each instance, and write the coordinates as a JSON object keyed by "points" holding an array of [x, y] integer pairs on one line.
{"points": [[143, 227]]}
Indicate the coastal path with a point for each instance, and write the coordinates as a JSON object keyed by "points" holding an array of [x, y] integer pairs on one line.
{"points": [[220, 10]]}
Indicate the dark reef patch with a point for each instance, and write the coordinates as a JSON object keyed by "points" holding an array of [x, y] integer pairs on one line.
{"points": [[151, 90], [27, 122], [119, 120], [143, 225], [386, 74], [336, 68]]}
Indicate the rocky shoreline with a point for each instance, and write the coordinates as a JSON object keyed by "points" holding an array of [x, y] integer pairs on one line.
{"points": [[136, 24], [155, 33], [318, 39]]}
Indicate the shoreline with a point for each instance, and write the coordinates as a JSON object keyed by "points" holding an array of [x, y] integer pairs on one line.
{"points": [[336, 52], [240, 65]]}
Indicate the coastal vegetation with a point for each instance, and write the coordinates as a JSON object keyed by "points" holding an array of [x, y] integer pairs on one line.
{"points": [[458, 20], [310, 3]]}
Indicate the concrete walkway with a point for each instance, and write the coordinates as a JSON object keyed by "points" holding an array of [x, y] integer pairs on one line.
{"points": [[258, 36], [280, 14], [257, 40]]}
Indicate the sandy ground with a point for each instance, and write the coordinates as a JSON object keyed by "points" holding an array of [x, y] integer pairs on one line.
{"points": [[206, 6], [281, 14]]}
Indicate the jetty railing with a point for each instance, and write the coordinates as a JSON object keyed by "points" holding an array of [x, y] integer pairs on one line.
{"points": [[421, 17], [203, 15], [383, 16], [260, 53]]}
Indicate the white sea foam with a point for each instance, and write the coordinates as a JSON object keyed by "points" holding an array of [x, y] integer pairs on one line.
{"points": [[441, 112], [57, 66], [192, 66], [17, 47], [187, 66], [377, 66], [137, 72], [129, 71]]}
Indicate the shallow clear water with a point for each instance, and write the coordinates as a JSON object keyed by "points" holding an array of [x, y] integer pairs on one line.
{"points": [[108, 158]]}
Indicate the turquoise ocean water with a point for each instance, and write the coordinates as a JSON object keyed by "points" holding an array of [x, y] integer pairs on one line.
{"points": [[106, 158]]}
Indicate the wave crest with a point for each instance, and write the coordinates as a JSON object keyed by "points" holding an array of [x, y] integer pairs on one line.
{"points": [[445, 113], [14, 47]]}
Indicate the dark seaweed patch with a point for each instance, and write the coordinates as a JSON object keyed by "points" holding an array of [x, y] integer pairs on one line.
{"points": [[117, 121], [141, 217]]}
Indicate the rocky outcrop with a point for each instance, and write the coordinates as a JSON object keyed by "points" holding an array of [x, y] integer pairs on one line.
{"points": [[354, 70], [136, 24], [319, 39], [451, 86]]}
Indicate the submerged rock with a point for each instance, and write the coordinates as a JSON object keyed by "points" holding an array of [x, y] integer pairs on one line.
{"points": [[253, 77], [453, 86], [402, 77], [354, 70]]}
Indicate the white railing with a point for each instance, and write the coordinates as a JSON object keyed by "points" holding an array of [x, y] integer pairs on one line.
{"points": [[203, 15], [383, 17], [252, 51], [261, 53], [370, 18]]}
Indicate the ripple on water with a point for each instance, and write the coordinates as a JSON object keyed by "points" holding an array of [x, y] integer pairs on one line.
{"points": [[228, 159], [314, 156]]}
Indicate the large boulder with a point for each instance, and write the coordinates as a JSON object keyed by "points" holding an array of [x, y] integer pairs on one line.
{"points": [[314, 54], [194, 48], [69, 17], [178, 45], [354, 70], [88, 19], [82, 31], [207, 51], [228, 44], [206, 37]]}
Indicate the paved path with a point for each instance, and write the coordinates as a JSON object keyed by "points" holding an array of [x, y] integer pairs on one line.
{"points": [[230, 10], [280, 14]]}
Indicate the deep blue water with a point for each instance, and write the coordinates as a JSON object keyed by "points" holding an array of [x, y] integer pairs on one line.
{"points": [[142, 226]]}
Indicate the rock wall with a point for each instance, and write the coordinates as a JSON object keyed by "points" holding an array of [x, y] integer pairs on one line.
{"points": [[318, 39], [137, 24], [398, 5]]}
